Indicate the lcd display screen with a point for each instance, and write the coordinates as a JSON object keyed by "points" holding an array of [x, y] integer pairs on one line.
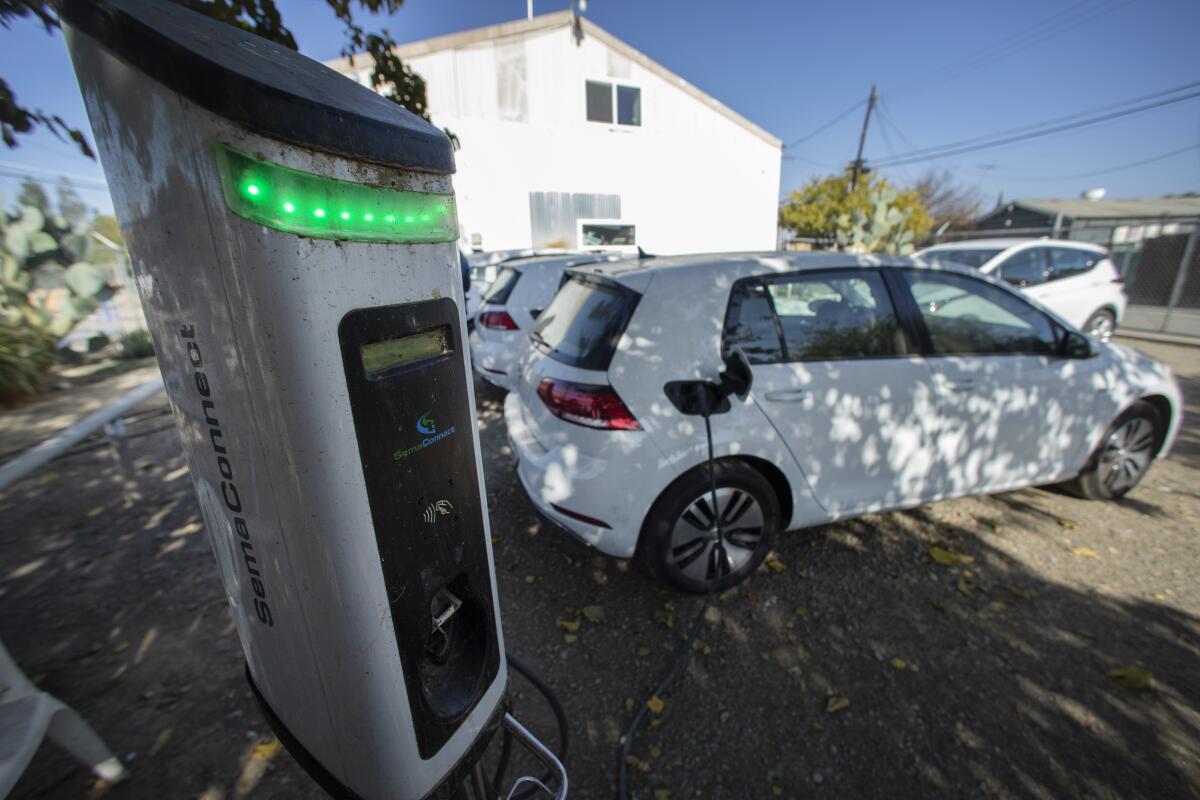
{"points": [[391, 354]]}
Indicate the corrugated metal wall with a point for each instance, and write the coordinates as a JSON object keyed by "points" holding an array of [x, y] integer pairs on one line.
{"points": [[554, 215]]}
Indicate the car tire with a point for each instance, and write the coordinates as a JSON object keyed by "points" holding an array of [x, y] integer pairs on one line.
{"points": [[1101, 325], [1124, 455], [677, 543]]}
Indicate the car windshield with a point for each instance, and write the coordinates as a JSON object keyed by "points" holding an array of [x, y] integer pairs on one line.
{"points": [[584, 321], [974, 257], [502, 287]]}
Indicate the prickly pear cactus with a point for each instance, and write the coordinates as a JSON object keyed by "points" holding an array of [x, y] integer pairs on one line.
{"points": [[884, 230], [46, 279]]}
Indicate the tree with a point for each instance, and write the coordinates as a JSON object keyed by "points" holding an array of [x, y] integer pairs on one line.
{"points": [[32, 194], [814, 210], [947, 201], [391, 77]]}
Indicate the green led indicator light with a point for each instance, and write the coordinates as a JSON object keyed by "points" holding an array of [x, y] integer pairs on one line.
{"points": [[254, 189]]}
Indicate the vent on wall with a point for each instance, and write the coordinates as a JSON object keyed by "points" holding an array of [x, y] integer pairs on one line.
{"points": [[553, 215]]}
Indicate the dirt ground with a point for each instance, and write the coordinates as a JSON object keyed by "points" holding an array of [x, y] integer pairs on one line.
{"points": [[859, 666]]}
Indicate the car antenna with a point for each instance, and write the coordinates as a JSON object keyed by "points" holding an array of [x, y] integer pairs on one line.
{"points": [[642, 254]]}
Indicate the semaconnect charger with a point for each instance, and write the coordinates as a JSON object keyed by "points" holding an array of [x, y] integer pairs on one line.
{"points": [[293, 238]]}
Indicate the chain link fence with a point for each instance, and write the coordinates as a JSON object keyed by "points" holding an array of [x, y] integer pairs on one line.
{"points": [[1159, 260]]}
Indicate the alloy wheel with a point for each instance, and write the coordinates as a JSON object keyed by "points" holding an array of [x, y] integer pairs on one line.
{"points": [[1127, 454], [694, 537], [1102, 327]]}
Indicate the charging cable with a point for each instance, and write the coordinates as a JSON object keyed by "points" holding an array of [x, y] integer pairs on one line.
{"points": [[682, 659]]}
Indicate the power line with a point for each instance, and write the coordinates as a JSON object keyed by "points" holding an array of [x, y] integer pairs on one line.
{"points": [[1104, 171], [828, 125], [98, 183], [1036, 125], [946, 150]]}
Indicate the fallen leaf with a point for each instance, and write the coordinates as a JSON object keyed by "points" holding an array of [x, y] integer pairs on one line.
{"points": [[656, 704], [777, 790], [1131, 677], [654, 723], [662, 794], [655, 752], [594, 614], [529, 579], [570, 638], [1160, 596], [120, 647], [643, 652], [964, 587], [898, 663], [1066, 523], [569, 625], [949, 559], [1085, 552], [938, 604], [630, 704], [801, 611], [837, 704], [774, 564], [816, 726], [1020, 593], [664, 618], [263, 751], [701, 647], [637, 763]]}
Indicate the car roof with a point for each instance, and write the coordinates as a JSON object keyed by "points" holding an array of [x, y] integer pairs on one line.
{"points": [[560, 261], [708, 266], [1005, 244]]}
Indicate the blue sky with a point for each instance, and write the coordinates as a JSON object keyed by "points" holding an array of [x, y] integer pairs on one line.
{"points": [[945, 71]]}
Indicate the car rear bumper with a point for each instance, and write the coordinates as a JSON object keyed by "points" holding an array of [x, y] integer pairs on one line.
{"points": [[562, 480], [494, 362]]}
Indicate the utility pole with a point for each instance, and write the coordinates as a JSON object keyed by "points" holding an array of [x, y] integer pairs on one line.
{"points": [[862, 139]]}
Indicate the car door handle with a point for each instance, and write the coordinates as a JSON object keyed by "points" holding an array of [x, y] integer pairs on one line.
{"points": [[786, 395], [963, 384]]}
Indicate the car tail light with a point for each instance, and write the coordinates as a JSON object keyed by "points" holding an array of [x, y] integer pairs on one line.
{"points": [[497, 321], [587, 404], [1119, 279]]}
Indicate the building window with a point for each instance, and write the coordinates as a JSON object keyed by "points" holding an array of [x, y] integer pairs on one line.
{"points": [[599, 101], [629, 105], [607, 234], [603, 96]]}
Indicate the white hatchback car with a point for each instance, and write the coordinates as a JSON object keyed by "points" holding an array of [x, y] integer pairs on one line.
{"points": [[1076, 280], [878, 383], [509, 306]]}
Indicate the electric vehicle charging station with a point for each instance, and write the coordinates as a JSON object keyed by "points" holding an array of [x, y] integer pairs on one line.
{"points": [[293, 239]]}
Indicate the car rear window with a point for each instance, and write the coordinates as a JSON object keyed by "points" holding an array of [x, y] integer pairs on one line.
{"points": [[974, 257], [502, 287], [584, 322]]}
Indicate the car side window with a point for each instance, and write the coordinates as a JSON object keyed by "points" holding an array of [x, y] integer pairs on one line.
{"points": [[1025, 268], [750, 324], [836, 315], [1067, 262], [968, 316]]}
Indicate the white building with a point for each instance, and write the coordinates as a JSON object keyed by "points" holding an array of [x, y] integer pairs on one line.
{"points": [[554, 132]]}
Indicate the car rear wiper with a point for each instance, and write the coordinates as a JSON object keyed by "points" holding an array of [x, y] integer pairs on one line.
{"points": [[539, 340]]}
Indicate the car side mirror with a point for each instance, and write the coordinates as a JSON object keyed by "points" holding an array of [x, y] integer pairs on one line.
{"points": [[1077, 345]]}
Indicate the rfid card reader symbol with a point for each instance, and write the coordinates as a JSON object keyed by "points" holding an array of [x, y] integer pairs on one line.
{"points": [[441, 508]]}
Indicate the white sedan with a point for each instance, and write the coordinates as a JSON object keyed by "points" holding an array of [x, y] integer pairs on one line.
{"points": [[1076, 280], [878, 383], [509, 306]]}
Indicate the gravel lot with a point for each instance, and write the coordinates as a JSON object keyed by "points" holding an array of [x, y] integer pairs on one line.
{"points": [[858, 666]]}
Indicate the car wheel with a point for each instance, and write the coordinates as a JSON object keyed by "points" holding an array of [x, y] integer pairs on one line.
{"points": [[1100, 326], [1124, 455], [679, 537]]}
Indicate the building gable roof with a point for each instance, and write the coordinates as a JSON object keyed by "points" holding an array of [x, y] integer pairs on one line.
{"points": [[1116, 208], [562, 19]]}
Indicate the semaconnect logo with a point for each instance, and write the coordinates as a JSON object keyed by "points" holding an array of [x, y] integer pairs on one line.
{"points": [[426, 425]]}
